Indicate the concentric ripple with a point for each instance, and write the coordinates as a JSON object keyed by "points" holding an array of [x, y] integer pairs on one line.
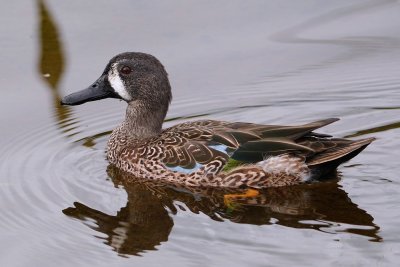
{"points": [[62, 167], [59, 206], [47, 169]]}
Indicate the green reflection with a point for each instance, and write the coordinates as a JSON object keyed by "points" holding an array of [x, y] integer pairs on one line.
{"points": [[145, 222], [382, 128], [51, 63], [51, 56]]}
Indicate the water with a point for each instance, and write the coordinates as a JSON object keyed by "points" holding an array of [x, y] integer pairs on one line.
{"points": [[276, 62]]}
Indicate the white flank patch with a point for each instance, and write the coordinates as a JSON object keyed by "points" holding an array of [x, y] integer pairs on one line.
{"points": [[117, 84], [286, 164]]}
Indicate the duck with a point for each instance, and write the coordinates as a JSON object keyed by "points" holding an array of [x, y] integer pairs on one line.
{"points": [[206, 153]]}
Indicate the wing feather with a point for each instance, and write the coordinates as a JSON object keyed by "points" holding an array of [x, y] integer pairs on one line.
{"points": [[190, 143]]}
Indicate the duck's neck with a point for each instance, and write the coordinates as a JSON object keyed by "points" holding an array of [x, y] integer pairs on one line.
{"points": [[144, 120]]}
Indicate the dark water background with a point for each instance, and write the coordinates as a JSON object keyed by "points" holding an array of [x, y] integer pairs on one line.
{"points": [[276, 62]]}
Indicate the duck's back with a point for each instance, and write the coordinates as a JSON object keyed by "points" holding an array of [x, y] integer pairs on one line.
{"points": [[189, 146]]}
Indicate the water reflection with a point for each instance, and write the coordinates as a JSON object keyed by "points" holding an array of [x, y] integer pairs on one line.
{"points": [[51, 63], [141, 225], [378, 129], [145, 221]]}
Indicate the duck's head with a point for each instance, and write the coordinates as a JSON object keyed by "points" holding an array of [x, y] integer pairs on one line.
{"points": [[133, 77]]}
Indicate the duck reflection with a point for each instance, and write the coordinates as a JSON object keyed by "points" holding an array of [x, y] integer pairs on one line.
{"points": [[141, 225], [145, 222]]}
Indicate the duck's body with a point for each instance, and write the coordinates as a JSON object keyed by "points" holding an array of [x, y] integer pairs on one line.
{"points": [[202, 153], [197, 154]]}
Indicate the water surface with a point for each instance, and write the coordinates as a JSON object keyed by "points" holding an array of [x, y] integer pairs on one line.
{"points": [[275, 62]]}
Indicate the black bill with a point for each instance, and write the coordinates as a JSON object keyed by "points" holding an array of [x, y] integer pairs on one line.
{"points": [[100, 89]]}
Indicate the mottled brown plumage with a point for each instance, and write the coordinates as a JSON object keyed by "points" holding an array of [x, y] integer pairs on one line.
{"points": [[200, 153]]}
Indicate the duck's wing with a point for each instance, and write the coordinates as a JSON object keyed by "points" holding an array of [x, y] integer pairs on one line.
{"points": [[256, 142], [189, 145], [199, 142]]}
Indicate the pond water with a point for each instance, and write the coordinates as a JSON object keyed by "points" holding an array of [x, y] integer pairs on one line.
{"points": [[273, 62]]}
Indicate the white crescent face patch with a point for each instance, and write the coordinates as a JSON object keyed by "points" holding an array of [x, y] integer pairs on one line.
{"points": [[117, 84]]}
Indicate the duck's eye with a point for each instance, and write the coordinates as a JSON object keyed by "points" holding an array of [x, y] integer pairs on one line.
{"points": [[126, 70]]}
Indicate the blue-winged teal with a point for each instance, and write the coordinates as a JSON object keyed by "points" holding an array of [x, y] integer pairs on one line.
{"points": [[208, 152]]}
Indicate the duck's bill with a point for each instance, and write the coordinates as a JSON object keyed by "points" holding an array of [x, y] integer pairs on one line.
{"points": [[98, 90]]}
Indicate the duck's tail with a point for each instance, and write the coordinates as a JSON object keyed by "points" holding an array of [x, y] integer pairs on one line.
{"points": [[327, 162]]}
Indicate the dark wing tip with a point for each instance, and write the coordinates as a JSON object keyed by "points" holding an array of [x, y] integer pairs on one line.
{"points": [[364, 142], [341, 154]]}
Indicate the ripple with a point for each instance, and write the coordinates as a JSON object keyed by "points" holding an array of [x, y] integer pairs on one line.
{"points": [[62, 167], [45, 170], [59, 206]]}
